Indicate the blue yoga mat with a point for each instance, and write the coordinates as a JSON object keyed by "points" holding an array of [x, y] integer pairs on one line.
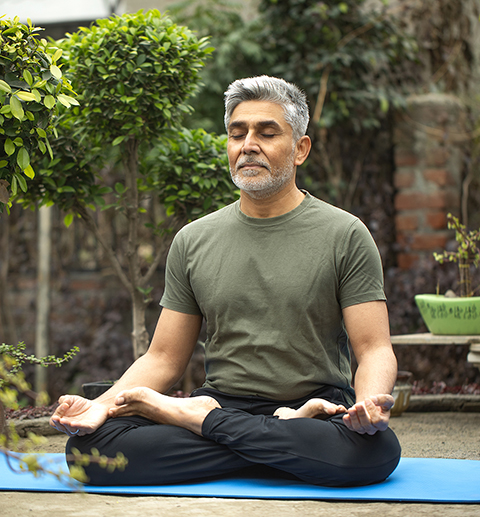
{"points": [[414, 480]]}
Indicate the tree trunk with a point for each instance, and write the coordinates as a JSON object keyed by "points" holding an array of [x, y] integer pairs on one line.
{"points": [[8, 334], [140, 337], [43, 294]]}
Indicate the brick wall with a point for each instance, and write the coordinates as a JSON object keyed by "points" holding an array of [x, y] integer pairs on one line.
{"points": [[429, 161]]}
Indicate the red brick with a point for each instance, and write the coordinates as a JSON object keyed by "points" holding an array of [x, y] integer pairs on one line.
{"points": [[437, 157], [407, 260], [429, 241], [452, 199], [415, 200], [405, 158], [441, 177], [404, 179], [436, 220], [405, 222]]}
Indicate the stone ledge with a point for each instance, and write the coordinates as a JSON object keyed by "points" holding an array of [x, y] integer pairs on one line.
{"points": [[447, 402], [35, 425]]}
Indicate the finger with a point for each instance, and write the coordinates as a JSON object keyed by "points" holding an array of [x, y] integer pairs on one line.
{"points": [[61, 409], [348, 422], [56, 424], [67, 429], [359, 417], [385, 401]]}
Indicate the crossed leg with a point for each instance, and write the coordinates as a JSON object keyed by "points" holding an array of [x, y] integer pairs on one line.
{"points": [[170, 440]]}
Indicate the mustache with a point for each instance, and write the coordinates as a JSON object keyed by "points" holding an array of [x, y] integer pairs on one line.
{"points": [[249, 160]]}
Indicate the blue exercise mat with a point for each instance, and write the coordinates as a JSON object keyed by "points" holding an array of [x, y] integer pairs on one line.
{"points": [[414, 480]]}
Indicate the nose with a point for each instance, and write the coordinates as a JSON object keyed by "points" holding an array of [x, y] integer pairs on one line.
{"points": [[250, 144]]}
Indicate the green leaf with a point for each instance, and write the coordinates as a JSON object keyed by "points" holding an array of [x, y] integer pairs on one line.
{"points": [[37, 95], [384, 104], [68, 220], [25, 96], [119, 140], [49, 148], [23, 158], [41, 132], [56, 72], [16, 107], [28, 77], [57, 55], [207, 203], [120, 188], [9, 147], [21, 180], [14, 185], [49, 101], [29, 172], [5, 87], [67, 101]]}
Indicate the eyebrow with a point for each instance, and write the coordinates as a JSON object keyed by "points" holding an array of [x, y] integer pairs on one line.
{"points": [[261, 124]]}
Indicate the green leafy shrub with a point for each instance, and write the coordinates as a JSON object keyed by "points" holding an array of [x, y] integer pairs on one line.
{"points": [[189, 171], [134, 74], [18, 452], [31, 87], [466, 255]]}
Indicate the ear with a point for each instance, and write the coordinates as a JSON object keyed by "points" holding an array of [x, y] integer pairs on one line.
{"points": [[302, 149]]}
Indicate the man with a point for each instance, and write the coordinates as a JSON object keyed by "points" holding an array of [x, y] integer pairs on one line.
{"points": [[281, 279]]}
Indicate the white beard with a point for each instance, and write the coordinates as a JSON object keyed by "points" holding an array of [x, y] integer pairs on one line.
{"points": [[261, 183]]}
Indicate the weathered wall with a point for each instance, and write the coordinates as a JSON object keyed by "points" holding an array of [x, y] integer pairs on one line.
{"points": [[429, 161]]}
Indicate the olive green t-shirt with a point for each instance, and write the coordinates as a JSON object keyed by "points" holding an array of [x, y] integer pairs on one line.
{"points": [[272, 292]]}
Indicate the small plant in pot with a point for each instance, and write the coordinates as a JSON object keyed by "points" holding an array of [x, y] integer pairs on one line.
{"points": [[451, 313]]}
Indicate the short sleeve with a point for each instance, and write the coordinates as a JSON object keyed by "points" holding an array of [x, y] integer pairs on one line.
{"points": [[178, 295], [359, 267]]}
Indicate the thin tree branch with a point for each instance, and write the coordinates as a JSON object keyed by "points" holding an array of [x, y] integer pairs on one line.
{"points": [[162, 247], [92, 226], [132, 204]]}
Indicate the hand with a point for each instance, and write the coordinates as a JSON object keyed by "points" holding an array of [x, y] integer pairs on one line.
{"points": [[77, 415], [370, 415]]}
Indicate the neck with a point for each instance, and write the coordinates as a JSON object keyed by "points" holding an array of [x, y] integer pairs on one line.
{"points": [[278, 204]]}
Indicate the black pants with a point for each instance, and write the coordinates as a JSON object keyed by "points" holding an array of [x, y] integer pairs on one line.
{"points": [[243, 434]]}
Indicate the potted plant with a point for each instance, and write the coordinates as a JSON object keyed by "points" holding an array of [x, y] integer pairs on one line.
{"points": [[449, 313]]}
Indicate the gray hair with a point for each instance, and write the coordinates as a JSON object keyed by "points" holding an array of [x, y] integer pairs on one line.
{"points": [[272, 89]]}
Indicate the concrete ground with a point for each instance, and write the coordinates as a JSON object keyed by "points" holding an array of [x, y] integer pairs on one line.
{"points": [[432, 435]]}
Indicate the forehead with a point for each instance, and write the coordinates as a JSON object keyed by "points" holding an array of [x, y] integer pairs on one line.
{"points": [[258, 112]]}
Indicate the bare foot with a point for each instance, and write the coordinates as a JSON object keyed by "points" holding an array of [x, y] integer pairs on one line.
{"points": [[188, 413], [314, 408]]}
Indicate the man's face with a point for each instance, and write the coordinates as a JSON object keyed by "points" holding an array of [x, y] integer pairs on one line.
{"points": [[261, 150]]}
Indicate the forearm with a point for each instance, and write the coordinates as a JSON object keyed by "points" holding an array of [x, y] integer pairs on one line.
{"points": [[166, 359], [376, 373], [150, 370]]}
